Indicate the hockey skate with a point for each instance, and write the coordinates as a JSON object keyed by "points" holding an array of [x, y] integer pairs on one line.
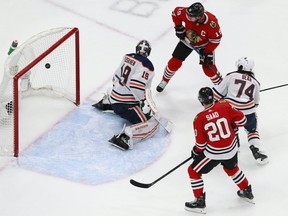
{"points": [[258, 155], [161, 86], [197, 206], [103, 104], [246, 194], [120, 141]]}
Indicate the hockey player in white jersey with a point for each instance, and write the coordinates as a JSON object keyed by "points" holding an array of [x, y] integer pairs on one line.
{"points": [[127, 99], [242, 90]]}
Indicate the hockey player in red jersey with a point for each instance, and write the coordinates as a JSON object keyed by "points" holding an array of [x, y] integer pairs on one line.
{"points": [[242, 90], [203, 31], [215, 143]]}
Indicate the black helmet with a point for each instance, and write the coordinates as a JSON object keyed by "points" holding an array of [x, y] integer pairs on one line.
{"points": [[195, 10], [143, 48], [205, 95]]}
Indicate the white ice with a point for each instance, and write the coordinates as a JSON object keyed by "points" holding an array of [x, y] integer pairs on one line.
{"points": [[107, 30]]}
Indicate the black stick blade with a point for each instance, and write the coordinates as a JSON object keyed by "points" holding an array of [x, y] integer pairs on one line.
{"points": [[139, 184]]}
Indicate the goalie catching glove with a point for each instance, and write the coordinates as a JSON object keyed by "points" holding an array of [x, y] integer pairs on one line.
{"points": [[145, 107]]}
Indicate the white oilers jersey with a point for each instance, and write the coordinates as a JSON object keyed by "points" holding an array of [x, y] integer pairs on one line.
{"points": [[241, 90], [135, 72]]}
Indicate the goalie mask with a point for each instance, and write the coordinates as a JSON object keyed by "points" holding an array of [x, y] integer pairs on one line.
{"points": [[245, 64], [205, 95], [143, 48]]}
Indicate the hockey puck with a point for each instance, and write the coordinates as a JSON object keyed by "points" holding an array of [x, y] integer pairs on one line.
{"points": [[47, 65]]}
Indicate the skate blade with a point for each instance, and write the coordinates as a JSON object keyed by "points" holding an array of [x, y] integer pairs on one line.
{"points": [[196, 210], [248, 200], [114, 143], [118, 147], [262, 162]]}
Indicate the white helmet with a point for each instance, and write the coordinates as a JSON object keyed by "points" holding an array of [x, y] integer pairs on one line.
{"points": [[246, 63]]}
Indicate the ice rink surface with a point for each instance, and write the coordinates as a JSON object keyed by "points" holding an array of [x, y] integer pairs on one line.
{"points": [[111, 28]]}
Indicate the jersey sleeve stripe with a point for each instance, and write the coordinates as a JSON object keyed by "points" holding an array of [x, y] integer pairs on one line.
{"points": [[122, 97], [241, 122]]}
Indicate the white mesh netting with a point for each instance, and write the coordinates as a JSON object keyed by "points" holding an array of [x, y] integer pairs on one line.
{"points": [[46, 64]]}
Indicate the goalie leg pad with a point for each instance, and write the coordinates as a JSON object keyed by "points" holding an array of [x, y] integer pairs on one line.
{"points": [[141, 131]]}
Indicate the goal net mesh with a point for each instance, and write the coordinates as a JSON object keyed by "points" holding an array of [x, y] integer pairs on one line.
{"points": [[46, 64]]}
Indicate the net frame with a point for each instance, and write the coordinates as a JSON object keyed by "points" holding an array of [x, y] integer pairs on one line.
{"points": [[16, 92]]}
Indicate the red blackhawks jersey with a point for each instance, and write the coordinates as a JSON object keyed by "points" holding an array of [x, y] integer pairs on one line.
{"points": [[208, 34], [214, 132]]}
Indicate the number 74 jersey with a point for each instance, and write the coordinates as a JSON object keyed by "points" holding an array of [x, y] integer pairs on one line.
{"points": [[214, 130], [241, 90]]}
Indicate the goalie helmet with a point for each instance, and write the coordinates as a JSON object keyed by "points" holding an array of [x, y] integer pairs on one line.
{"points": [[195, 10], [205, 95], [143, 48], [245, 64]]}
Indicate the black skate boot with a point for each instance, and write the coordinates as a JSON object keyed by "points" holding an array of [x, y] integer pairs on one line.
{"points": [[198, 205], [246, 194], [161, 86], [120, 142], [258, 155], [103, 106]]}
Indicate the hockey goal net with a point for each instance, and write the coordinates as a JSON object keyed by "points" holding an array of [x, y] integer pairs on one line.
{"points": [[46, 64]]}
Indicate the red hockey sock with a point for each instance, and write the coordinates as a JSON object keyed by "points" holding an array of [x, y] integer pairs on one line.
{"points": [[172, 66], [212, 72], [238, 177], [196, 182]]}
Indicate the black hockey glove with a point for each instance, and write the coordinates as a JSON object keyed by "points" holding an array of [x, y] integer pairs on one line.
{"points": [[180, 32], [206, 59], [194, 153]]}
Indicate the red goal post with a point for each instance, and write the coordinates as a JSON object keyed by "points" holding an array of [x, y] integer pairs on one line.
{"points": [[46, 64]]}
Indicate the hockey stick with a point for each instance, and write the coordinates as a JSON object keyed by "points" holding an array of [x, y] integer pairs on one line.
{"points": [[148, 185], [279, 86], [188, 44], [169, 125]]}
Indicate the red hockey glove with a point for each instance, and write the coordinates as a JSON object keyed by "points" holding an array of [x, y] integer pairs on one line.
{"points": [[206, 59], [180, 32]]}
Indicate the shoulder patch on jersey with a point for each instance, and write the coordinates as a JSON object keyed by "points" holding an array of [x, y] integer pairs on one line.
{"points": [[213, 24]]}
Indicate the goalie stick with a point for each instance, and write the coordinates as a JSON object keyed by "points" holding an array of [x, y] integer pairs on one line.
{"points": [[169, 125], [148, 185]]}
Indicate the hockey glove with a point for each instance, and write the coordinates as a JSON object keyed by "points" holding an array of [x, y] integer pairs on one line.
{"points": [[145, 107], [194, 152], [180, 32], [206, 59]]}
